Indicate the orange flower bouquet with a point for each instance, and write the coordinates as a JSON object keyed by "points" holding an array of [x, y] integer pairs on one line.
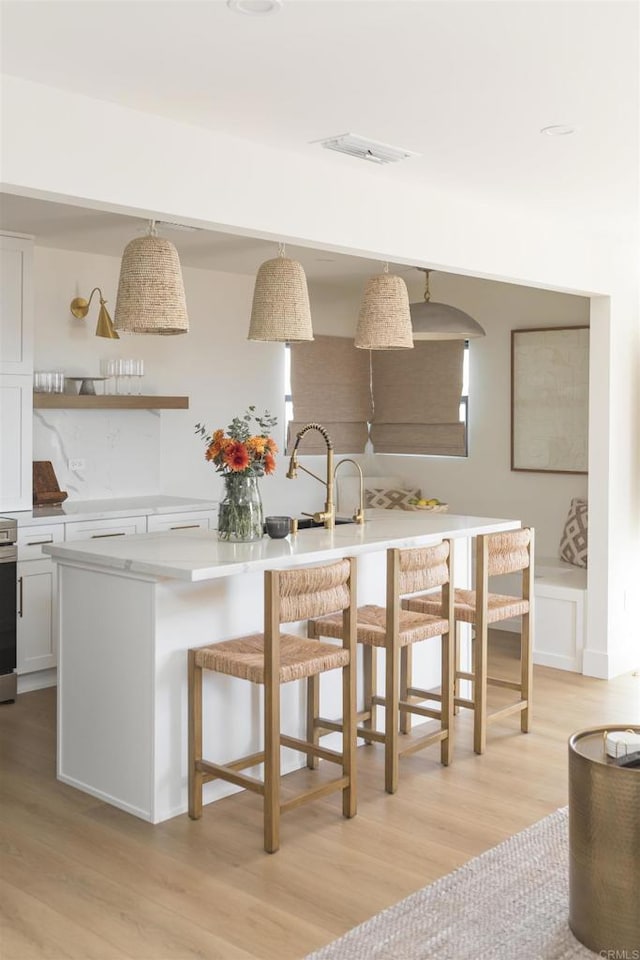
{"points": [[241, 455]]}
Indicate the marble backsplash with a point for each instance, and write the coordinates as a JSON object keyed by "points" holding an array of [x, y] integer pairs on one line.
{"points": [[120, 450]]}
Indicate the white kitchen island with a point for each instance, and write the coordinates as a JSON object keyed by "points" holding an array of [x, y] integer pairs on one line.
{"points": [[128, 609]]}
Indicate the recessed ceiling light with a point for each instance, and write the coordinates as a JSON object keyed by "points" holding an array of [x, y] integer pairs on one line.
{"points": [[255, 8], [558, 130]]}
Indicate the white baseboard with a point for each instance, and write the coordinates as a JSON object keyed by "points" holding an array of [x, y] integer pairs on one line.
{"points": [[37, 680], [595, 664], [556, 661], [106, 798], [606, 666]]}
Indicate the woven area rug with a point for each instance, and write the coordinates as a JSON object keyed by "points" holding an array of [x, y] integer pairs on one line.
{"points": [[510, 903]]}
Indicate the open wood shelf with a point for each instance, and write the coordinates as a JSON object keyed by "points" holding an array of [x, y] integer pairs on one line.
{"points": [[50, 401]]}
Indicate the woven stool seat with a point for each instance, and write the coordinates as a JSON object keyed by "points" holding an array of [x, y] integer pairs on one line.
{"points": [[395, 631], [496, 554], [244, 658], [371, 626], [272, 658], [499, 606]]}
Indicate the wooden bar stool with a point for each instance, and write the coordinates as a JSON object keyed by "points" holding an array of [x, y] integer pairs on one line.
{"points": [[496, 554], [272, 658], [396, 630]]}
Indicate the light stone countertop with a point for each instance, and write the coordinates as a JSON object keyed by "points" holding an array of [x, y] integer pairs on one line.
{"points": [[195, 555], [75, 510]]}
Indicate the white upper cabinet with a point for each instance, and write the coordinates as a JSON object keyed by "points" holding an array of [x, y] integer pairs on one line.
{"points": [[16, 305], [16, 371], [16, 394]]}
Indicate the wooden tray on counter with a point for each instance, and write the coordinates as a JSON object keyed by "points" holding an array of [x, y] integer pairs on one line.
{"points": [[46, 489]]}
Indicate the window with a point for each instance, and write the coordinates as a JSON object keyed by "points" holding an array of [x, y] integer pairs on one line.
{"points": [[288, 396], [417, 392], [330, 384]]}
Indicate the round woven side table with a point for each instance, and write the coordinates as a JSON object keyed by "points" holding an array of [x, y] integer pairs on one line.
{"points": [[604, 846]]}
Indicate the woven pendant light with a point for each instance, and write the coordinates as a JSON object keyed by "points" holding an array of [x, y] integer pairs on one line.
{"points": [[150, 290], [439, 321], [384, 322], [280, 309]]}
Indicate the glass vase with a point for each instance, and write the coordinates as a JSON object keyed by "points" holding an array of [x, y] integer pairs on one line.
{"points": [[240, 511]]}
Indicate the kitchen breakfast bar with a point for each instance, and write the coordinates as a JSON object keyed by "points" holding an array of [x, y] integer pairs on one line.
{"points": [[127, 611]]}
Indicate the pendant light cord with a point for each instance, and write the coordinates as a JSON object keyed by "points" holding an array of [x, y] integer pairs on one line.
{"points": [[427, 292], [373, 406]]}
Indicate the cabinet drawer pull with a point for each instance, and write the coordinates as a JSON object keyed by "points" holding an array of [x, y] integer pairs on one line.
{"points": [[20, 579], [36, 543], [101, 536], [187, 526]]}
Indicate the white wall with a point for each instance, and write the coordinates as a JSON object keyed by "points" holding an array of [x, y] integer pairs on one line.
{"points": [[129, 452], [176, 171], [120, 448], [139, 452], [482, 484]]}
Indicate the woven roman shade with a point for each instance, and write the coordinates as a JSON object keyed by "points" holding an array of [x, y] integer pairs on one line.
{"points": [[150, 290], [280, 310], [416, 398], [330, 385]]}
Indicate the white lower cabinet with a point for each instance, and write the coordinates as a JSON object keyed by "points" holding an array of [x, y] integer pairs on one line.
{"points": [[99, 529], [203, 520], [35, 639], [36, 573], [31, 540]]}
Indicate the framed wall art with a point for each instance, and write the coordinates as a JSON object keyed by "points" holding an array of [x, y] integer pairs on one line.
{"points": [[550, 399]]}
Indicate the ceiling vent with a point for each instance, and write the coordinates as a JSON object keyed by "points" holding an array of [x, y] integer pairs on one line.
{"points": [[363, 149]]}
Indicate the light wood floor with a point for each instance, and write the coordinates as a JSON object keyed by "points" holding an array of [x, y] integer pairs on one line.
{"points": [[82, 879]]}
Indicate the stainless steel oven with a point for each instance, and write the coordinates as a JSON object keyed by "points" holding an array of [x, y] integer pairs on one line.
{"points": [[8, 609]]}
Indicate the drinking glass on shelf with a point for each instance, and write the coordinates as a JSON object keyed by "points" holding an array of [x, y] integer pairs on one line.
{"points": [[138, 373], [48, 381], [127, 374], [107, 369], [130, 374], [121, 375], [126, 377]]}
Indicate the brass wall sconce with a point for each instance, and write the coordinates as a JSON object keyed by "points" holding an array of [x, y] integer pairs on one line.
{"points": [[80, 308]]}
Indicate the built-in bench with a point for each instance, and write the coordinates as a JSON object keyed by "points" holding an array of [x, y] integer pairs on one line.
{"points": [[560, 591], [560, 612]]}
